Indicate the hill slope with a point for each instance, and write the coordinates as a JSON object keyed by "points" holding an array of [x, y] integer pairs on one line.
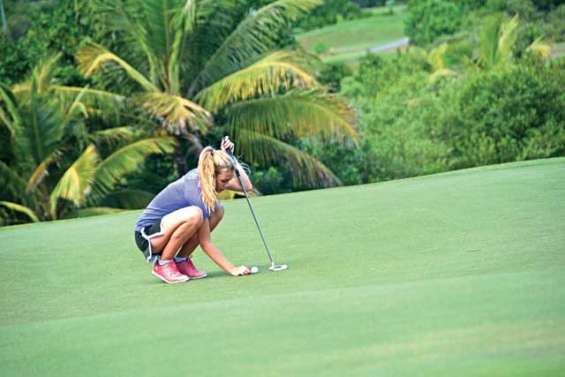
{"points": [[349, 40], [453, 274]]}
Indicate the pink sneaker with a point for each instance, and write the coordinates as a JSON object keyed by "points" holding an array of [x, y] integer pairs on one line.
{"points": [[189, 269], [169, 273]]}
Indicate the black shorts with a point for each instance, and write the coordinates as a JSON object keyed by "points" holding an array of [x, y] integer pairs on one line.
{"points": [[142, 239]]}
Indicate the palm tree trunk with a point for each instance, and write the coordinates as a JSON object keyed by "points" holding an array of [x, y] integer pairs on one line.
{"points": [[182, 153], [180, 160]]}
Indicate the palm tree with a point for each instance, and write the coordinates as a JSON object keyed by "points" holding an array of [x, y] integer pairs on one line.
{"points": [[497, 43], [495, 48], [216, 63], [56, 166], [497, 39]]}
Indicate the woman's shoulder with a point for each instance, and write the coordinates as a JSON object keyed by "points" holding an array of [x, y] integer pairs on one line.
{"points": [[191, 179], [192, 175]]}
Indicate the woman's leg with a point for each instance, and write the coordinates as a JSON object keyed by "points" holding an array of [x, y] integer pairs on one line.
{"points": [[193, 242], [178, 227]]}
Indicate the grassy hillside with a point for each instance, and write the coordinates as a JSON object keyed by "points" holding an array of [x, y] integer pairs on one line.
{"points": [[453, 274], [347, 41]]}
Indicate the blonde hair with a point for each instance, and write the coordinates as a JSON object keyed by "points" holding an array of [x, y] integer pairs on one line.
{"points": [[210, 163]]}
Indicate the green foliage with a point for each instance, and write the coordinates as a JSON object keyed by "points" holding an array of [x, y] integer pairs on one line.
{"points": [[269, 181], [53, 167], [320, 48], [507, 115], [51, 28], [265, 96], [472, 4], [554, 25], [332, 74], [331, 12], [352, 164], [523, 8], [546, 5], [369, 3], [498, 113], [429, 19]]}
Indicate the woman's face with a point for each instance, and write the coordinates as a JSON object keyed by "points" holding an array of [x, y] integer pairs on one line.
{"points": [[222, 179]]}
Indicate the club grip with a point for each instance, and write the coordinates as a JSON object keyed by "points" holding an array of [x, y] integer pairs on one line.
{"points": [[236, 163]]}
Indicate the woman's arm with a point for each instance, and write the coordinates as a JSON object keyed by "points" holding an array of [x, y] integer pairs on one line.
{"points": [[228, 146], [215, 254], [234, 185]]}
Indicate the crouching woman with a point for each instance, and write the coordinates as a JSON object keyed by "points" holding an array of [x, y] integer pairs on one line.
{"points": [[182, 216]]}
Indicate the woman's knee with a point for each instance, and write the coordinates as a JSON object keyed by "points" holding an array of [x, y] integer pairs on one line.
{"points": [[187, 216], [189, 226], [195, 218]]}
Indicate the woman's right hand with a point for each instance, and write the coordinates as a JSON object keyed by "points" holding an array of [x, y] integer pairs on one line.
{"points": [[227, 145], [240, 271]]}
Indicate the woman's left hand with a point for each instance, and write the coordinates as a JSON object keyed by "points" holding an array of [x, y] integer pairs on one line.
{"points": [[227, 145]]}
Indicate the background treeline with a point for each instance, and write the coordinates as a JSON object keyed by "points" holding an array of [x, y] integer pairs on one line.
{"points": [[480, 83]]}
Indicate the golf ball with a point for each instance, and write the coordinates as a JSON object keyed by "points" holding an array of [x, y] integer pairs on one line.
{"points": [[254, 270]]}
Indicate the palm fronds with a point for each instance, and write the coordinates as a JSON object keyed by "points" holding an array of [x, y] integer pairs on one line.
{"points": [[70, 98], [93, 101], [21, 209], [42, 75], [114, 135], [76, 183], [44, 128], [436, 58], [297, 113], [127, 159], [281, 70], [9, 114], [539, 48], [507, 40], [177, 113], [497, 41], [40, 171], [265, 149], [254, 36], [11, 182], [93, 56], [129, 198]]}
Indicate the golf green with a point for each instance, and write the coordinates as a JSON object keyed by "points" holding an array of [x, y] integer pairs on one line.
{"points": [[456, 274]]}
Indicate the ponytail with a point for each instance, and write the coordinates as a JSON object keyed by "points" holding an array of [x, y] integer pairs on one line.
{"points": [[210, 163]]}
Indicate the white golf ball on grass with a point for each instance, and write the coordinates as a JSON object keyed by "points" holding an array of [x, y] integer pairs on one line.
{"points": [[254, 269]]}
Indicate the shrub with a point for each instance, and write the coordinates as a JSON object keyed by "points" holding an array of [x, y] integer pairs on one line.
{"points": [[332, 74], [329, 13], [554, 27], [513, 114], [270, 181], [429, 19], [523, 8], [320, 48]]}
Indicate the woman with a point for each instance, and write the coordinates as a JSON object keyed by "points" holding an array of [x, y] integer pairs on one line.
{"points": [[183, 214]]}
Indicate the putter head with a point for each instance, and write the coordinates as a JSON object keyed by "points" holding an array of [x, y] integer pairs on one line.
{"points": [[278, 267]]}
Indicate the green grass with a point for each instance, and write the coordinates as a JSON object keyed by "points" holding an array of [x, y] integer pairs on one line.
{"points": [[349, 40], [458, 274]]}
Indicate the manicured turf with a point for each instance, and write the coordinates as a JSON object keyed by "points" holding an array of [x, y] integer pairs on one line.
{"points": [[458, 274], [349, 40]]}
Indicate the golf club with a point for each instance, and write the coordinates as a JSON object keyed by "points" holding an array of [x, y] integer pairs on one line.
{"points": [[274, 267]]}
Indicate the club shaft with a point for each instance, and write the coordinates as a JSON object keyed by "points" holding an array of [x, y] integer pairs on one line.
{"points": [[254, 216]]}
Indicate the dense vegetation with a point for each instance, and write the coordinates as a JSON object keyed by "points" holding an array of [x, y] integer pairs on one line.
{"points": [[485, 91], [99, 113], [180, 74]]}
